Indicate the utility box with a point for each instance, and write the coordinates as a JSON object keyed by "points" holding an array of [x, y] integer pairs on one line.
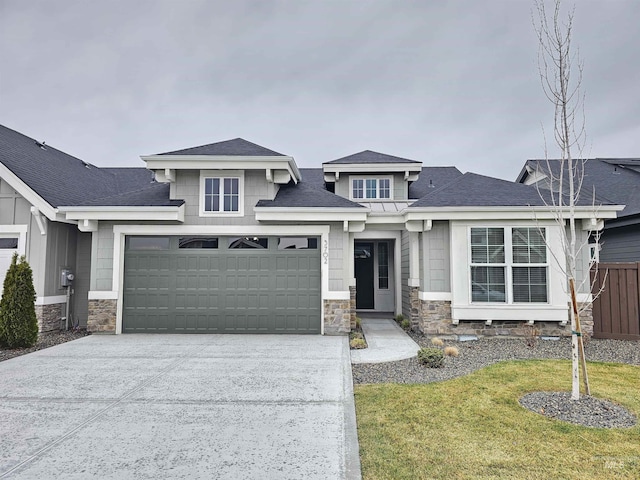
{"points": [[66, 277]]}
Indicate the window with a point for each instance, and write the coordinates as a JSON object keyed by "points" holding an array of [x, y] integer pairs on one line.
{"points": [[297, 243], [383, 265], [508, 265], [371, 188], [148, 243], [9, 243], [221, 195], [248, 242], [198, 242]]}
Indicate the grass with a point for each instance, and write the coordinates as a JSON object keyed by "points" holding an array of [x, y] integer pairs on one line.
{"points": [[474, 427]]}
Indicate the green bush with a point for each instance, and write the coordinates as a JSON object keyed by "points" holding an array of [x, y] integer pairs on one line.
{"points": [[18, 322], [405, 324], [358, 323], [399, 318], [431, 357]]}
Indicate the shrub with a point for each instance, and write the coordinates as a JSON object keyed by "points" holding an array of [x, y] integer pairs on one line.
{"points": [[405, 324], [18, 322], [358, 323], [437, 342], [451, 352], [431, 357], [399, 318], [357, 343]]}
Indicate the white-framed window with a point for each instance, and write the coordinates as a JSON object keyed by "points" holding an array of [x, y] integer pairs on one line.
{"points": [[508, 265], [370, 188], [221, 193]]}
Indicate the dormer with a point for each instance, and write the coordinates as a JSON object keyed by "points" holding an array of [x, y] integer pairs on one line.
{"points": [[371, 177], [224, 174]]}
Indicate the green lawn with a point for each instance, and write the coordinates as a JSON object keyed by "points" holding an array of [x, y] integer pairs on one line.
{"points": [[474, 427]]}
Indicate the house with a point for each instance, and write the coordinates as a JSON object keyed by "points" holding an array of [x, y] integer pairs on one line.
{"points": [[615, 180], [234, 237]]}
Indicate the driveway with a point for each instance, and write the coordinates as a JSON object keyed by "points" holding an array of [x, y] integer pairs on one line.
{"points": [[180, 406]]}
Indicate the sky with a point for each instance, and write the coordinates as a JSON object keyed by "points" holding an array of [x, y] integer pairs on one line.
{"points": [[447, 83]]}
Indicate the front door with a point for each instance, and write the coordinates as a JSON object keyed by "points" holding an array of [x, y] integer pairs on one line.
{"points": [[364, 262]]}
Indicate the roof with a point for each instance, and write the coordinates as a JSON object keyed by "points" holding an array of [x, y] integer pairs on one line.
{"points": [[473, 190], [432, 178], [237, 147], [614, 180], [369, 156], [63, 180], [307, 195]]}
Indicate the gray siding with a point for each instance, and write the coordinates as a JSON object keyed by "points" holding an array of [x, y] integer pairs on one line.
{"points": [[342, 187], [404, 274], [187, 188], [61, 253], [400, 187], [102, 257], [621, 244], [436, 259]]}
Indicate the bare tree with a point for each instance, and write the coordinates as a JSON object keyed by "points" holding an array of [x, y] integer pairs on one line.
{"points": [[560, 71]]}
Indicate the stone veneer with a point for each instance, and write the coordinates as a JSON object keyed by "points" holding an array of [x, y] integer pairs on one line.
{"points": [[338, 317], [50, 317], [435, 319], [102, 316]]}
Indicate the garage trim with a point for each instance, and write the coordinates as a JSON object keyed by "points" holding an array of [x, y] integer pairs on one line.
{"points": [[121, 231]]}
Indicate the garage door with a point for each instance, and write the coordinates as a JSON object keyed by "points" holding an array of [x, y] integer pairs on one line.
{"points": [[221, 285]]}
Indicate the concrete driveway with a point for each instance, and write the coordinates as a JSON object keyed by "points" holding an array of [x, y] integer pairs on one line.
{"points": [[180, 406]]}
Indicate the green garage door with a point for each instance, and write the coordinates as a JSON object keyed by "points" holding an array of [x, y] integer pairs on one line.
{"points": [[221, 285]]}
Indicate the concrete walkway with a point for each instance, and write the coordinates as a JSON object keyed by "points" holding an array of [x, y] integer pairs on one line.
{"points": [[180, 406], [387, 342]]}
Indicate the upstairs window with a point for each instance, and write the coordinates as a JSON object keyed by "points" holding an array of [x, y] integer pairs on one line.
{"points": [[371, 188], [221, 195]]}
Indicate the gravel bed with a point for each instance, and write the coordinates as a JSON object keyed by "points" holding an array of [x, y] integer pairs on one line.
{"points": [[483, 352], [45, 340], [588, 411]]}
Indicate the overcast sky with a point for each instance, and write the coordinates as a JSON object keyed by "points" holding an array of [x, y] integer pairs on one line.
{"points": [[447, 83]]}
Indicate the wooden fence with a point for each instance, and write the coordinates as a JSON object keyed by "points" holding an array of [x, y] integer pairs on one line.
{"points": [[616, 312]]}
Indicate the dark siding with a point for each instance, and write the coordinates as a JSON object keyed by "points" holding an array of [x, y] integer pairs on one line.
{"points": [[621, 244]]}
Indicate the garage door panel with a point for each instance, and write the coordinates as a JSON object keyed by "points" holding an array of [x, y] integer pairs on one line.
{"points": [[220, 290]]}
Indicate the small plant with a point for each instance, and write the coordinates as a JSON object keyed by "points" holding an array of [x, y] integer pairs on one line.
{"points": [[357, 343], [18, 322], [358, 323], [451, 352], [399, 318], [436, 341], [405, 324], [431, 357], [531, 335]]}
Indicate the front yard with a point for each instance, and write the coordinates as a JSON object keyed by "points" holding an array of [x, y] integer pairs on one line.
{"points": [[474, 427]]}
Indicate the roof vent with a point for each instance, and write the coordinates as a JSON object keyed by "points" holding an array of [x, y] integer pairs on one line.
{"points": [[41, 144], [615, 171], [431, 185]]}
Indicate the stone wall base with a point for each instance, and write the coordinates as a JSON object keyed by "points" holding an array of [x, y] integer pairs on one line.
{"points": [[435, 319], [102, 316], [50, 317], [338, 317]]}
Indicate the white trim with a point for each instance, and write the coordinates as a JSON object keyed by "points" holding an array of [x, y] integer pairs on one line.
{"points": [[435, 296], [223, 162], [120, 231], [163, 213], [550, 313], [364, 178], [315, 214], [221, 175], [53, 300], [372, 167], [20, 231], [338, 296], [584, 297], [504, 213], [102, 295]]}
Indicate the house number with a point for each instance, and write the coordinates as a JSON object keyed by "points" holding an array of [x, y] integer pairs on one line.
{"points": [[325, 252]]}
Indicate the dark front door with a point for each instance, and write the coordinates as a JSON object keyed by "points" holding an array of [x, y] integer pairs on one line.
{"points": [[363, 253]]}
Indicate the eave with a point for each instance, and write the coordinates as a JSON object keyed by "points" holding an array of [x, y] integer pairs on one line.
{"points": [[127, 213], [315, 214], [507, 213]]}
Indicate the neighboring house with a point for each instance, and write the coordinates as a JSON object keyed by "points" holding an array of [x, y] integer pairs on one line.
{"points": [[615, 180], [234, 237]]}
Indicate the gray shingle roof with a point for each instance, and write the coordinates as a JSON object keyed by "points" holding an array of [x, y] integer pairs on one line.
{"points": [[369, 156], [615, 180], [236, 147], [154, 195], [473, 190], [63, 180], [432, 178], [306, 195]]}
